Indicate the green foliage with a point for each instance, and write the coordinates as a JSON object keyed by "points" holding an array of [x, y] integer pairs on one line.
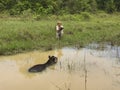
{"points": [[117, 5], [58, 7], [18, 35], [86, 16], [106, 5]]}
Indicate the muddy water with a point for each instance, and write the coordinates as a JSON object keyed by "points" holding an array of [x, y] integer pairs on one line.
{"points": [[92, 68]]}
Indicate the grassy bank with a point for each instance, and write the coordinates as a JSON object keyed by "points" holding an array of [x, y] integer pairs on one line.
{"points": [[18, 34]]}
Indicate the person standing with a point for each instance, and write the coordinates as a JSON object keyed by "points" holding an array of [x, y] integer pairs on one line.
{"points": [[59, 30]]}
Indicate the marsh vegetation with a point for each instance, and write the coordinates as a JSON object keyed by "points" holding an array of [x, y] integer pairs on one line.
{"points": [[19, 34]]}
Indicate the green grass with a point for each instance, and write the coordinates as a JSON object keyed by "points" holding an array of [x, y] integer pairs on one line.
{"points": [[24, 34]]}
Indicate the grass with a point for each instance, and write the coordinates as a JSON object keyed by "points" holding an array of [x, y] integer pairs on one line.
{"points": [[23, 34]]}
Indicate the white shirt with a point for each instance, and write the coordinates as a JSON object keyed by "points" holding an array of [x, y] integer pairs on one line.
{"points": [[57, 28]]}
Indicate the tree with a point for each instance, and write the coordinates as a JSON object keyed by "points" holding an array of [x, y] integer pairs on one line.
{"points": [[58, 6], [117, 5], [106, 5]]}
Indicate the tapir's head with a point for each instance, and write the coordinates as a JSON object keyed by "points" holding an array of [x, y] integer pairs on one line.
{"points": [[52, 60]]}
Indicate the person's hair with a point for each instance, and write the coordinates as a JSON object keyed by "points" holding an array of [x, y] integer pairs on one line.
{"points": [[59, 22]]}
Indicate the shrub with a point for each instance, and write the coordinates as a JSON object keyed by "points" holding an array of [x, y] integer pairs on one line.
{"points": [[86, 16]]}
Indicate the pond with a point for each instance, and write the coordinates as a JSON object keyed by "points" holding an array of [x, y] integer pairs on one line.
{"points": [[95, 67]]}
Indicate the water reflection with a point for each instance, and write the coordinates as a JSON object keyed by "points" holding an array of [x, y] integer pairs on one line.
{"points": [[96, 67], [104, 50]]}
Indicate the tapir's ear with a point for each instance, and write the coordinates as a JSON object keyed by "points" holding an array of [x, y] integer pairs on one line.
{"points": [[49, 56]]}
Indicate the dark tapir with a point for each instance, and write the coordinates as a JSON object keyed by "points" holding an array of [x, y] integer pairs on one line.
{"points": [[40, 67]]}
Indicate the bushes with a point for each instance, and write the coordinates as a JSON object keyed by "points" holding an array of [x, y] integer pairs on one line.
{"points": [[58, 7], [66, 17]]}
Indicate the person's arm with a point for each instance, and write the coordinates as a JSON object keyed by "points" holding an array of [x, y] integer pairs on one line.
{"points": [[61, 28], [57, 28]]}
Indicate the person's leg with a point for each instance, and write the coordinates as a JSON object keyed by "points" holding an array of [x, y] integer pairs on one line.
{"points": [[57, 35]]}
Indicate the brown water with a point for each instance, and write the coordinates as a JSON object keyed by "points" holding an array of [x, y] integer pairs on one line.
{"points": [[91, 68]]}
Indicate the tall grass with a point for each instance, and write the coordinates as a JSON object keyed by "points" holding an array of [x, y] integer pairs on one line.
{"points": [[22, 34]]}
